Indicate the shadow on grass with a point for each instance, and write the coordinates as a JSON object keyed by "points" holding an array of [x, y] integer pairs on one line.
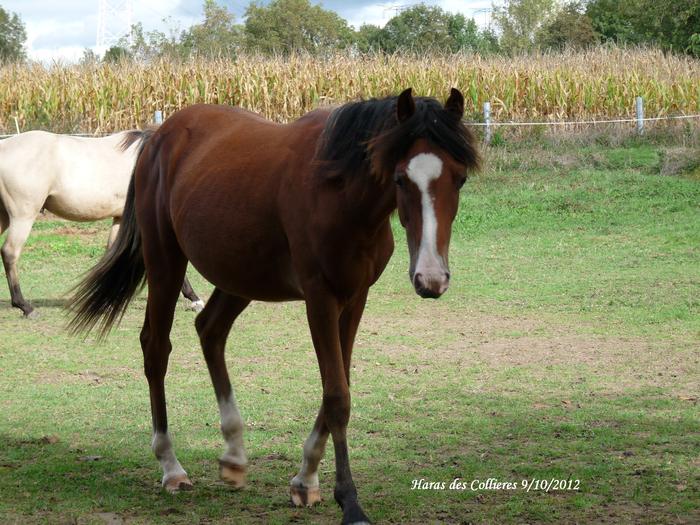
{"points": [[38, 303], [45, 480], [628, 465]]}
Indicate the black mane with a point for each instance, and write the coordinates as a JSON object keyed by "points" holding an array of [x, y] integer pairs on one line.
{"points": [[367, 137]]}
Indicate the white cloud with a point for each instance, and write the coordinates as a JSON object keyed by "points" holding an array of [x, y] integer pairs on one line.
{"points": [[67, 54], [376, 14]]}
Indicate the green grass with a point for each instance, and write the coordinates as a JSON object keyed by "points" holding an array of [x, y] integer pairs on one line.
{"points": [[567, 348]]}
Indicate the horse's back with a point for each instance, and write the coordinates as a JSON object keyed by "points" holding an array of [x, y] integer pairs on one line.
{"points": [[231, 154]]}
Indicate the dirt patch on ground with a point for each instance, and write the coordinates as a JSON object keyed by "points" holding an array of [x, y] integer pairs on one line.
{"points": [[79, 232], [498, 343], [99, 228]]}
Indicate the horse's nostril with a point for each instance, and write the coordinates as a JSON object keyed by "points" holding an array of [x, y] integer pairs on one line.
{"points": [[418, 279], [447, 276]]}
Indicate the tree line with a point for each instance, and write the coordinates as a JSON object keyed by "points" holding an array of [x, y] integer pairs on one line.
{"points": [[517, 26]]}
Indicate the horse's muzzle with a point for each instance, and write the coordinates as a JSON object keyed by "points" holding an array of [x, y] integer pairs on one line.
{"points": [[431, 286]]}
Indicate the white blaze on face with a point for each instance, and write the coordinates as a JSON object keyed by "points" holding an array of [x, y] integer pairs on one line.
{"points": [[422, 170]]}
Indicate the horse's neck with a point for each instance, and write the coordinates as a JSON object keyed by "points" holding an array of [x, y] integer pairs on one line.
{"points": [[371, 200]]}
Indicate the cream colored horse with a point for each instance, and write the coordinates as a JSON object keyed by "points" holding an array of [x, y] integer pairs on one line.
{"points": [[76, 178]]}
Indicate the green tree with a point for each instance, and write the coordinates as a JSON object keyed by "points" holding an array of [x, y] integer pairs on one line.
{"points": [[423, 28], [116, 54], [217, 35], [569, 28], [89, 58], [284, 26], [419, 28], [694, 45], [143, 45], [488, 42], [614, 20], [465, 35], [149, 45], [369, 38], [12, 37], [669, 24], [519, 22]]}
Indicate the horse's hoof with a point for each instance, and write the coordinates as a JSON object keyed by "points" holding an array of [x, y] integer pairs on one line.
{"points": [[32, 314], [196, 306], [305, 496], [233, 475], [354, 515], [177, 484]]}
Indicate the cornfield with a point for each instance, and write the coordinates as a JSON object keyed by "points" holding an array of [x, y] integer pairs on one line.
{"points": [[600, 83]]}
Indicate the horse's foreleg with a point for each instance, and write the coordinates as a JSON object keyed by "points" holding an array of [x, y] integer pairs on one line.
{"points": [[196, 303], [17, 235], [113, 231], [324, 316], [305, 489], [213, 326]]}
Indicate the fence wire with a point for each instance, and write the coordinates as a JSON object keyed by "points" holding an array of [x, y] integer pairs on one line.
{"points": [[490, 124]]}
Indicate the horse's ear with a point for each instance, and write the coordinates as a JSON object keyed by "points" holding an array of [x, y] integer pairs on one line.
{"points": [[405, 106], [455, 103]]}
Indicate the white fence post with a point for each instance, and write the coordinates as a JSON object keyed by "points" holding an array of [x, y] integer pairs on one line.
{"points": [[640, 116], [487, 121], [158, 117]]}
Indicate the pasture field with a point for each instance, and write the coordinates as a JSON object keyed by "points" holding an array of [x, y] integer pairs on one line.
{"points": [[568, 347], [600, 83]]}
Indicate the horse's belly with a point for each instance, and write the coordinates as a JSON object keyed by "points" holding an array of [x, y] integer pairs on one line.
{"points": [[79, 206], [252, 268]]}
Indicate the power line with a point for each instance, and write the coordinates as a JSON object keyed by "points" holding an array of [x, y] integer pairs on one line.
{"points": [[514, 124]]}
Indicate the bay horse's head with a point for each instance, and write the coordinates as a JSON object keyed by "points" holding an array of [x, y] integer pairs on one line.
{"points": [[428, 154]]}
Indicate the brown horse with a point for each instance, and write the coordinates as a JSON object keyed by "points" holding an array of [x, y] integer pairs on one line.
{"points": [[274, 212]]}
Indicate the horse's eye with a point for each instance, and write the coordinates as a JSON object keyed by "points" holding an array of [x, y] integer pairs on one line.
{"points": [[399, 178], [461, 182]]}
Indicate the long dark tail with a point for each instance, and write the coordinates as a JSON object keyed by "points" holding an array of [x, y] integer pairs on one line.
{"points": [[101, 299]]}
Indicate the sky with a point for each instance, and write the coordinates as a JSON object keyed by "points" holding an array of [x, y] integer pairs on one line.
{"points": [[61, 30]]}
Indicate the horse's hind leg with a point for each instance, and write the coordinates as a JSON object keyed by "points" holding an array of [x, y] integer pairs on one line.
{"points": [[163, 289], [17, 235], [213, 326], [196, 303], [113, 231]]}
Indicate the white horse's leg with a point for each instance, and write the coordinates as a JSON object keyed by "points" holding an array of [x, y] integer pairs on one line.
{"points": [[114, 231], [17, 235], [305, 489], [196, 303]]}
